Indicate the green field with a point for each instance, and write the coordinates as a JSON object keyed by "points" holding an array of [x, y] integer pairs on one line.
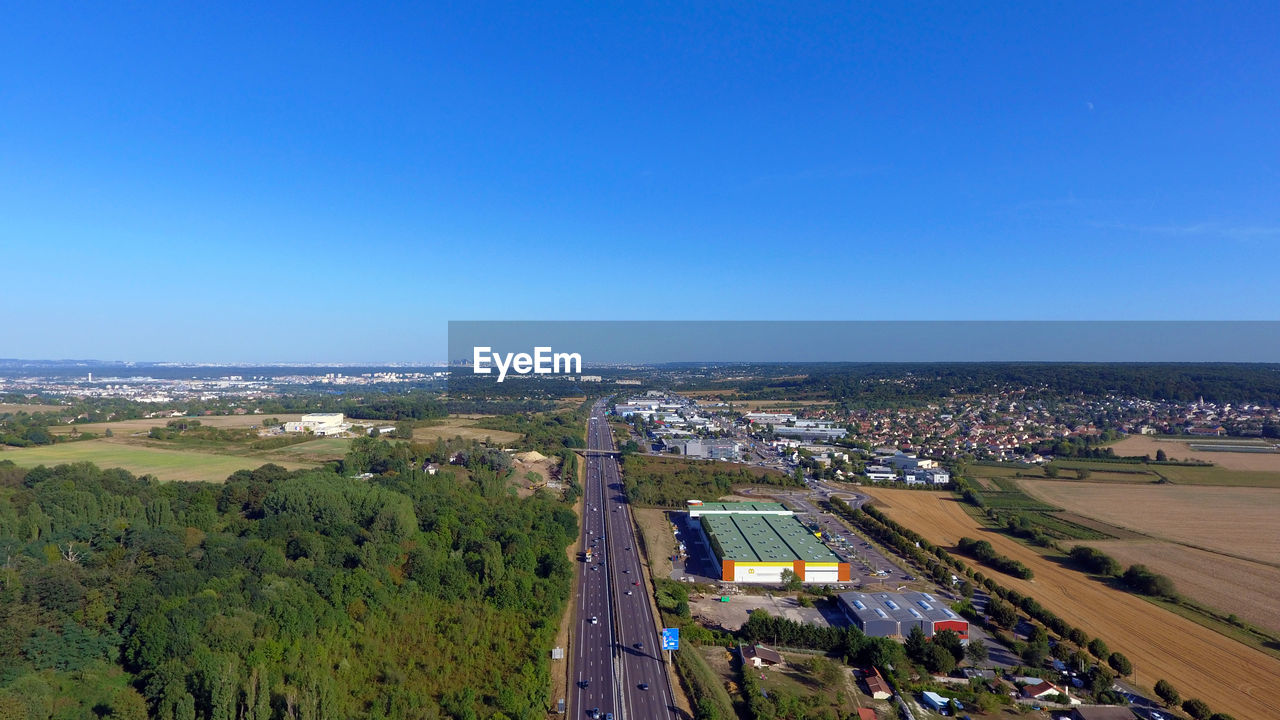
{"points": [[312, 451], [183, 465]]}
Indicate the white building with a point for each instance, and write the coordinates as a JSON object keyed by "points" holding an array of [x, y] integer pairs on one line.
{"points": [[879, 472], [904, 461], [318, 423]]}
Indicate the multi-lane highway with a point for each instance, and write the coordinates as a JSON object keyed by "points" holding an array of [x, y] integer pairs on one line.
{"points": [[618, 664]]}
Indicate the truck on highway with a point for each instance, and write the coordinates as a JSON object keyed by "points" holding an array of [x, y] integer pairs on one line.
{"points": [[590, 554]]}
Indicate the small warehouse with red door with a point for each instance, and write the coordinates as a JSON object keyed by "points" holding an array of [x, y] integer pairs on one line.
{"points": [[894, 614]]}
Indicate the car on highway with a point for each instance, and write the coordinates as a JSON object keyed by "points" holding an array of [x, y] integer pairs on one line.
{"points": [[595, 620], [639, 646], [629, 592], [644, 686], [594, 713], [584, 683]]}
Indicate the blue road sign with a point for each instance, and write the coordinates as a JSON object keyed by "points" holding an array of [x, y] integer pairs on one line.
{"points": [[670, 638]]}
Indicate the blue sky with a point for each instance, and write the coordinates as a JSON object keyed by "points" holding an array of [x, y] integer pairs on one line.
{"points": [[320, 182]]}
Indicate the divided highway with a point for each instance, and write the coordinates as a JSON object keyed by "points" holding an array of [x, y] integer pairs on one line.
{"points": [[618, 664]]}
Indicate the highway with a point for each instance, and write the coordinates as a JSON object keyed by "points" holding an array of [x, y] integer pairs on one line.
{"points": [[618, 666]]}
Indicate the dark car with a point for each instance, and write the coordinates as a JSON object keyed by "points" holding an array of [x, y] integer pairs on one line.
{"points": [[644, 686], [639, 646]]}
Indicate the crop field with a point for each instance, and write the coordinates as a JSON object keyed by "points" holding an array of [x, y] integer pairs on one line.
{"points": [[1236, 521], [182, 465], [454, 426], [1182, 450], [1183, 474], [1098, 472], [312, 451], [1230, 676], [22, 407], [143, 426], [1231, 585]]}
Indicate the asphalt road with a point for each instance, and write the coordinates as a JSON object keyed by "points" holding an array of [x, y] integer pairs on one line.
{"points": [[618, 653]]}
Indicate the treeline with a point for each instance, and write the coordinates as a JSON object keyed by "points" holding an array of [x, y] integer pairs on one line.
{"points": [[1171, 382], [278, 595], [847, 642], [1138, 578], [982, 551], [548, 433], [669, 482]]}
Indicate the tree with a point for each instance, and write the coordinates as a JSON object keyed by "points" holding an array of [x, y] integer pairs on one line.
{"points": [[1167, 692], [939, 660], [1051, 471], [108, 433], [1001, 613], [1120, 663], [1162, 456], [976, 652], [950, 640], [915, 644], [1034, 655], [1083, 473], [1098, 648], [1196, 708], [791, 581]]}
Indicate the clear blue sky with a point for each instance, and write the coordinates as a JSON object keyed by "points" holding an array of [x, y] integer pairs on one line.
{"points": [[323, 182]]}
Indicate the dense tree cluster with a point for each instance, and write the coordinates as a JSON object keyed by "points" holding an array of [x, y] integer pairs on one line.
{"points": [[982, 551], [864, 384], [277, 595], [1095, 561], [669, 482]]}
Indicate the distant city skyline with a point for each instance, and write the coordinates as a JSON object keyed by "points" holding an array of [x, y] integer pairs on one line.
{"points": [[237, 183]]}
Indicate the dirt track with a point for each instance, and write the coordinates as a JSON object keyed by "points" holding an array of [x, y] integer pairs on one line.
{"points": [[1229, 676]]}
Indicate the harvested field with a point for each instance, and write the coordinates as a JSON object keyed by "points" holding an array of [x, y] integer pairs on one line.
{"points": [[1181, 450], [1230, 676], [1235, 521], [21, 407], [317, 451], [122, 428], [1228, 584], [462, 427], [182, 465]]}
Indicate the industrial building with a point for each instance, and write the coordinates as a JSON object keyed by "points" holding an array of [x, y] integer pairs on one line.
{"points": [[318, 423], [708, 449], [756, 542], [894, 614]]}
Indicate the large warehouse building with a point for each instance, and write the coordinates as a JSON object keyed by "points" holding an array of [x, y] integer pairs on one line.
{"points": [[318, 423], [755, 542], [893, 614]]}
